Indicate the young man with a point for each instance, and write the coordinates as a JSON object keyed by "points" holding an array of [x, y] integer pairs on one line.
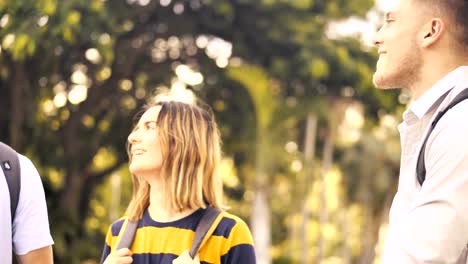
{"points": [[28, 235], [423, 47]]}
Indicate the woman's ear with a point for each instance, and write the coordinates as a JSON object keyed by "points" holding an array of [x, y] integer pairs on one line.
{"points": [[432, 32]]}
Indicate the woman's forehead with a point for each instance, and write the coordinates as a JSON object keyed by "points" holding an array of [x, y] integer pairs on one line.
{"points": [[151, 114]]}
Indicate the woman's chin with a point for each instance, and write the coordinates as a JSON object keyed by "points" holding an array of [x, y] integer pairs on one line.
{"points": [[143, 172]]}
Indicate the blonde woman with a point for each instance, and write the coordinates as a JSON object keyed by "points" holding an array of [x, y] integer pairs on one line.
{"points": [[174, 151]]}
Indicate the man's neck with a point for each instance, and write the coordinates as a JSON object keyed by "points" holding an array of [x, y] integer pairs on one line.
{"points": [[436, 65], [430, 75]]}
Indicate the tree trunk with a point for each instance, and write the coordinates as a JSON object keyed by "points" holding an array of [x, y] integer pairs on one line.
{"points": [[261, 229], [116, 183], [323, 212], [346, 227], [335, 117], [19, 85], [261, 223], [293, 232], [309, 154]]}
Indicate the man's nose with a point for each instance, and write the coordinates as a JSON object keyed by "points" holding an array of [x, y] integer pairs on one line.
{"points": [[377, 40]]}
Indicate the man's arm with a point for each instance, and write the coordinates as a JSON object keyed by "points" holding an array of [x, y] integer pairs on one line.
{"points": [[38, 256], [31, 235]]}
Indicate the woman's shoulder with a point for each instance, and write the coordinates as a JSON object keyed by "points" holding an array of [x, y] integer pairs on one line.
{"points": [[231, 224], [116, 226], [232, 217]]}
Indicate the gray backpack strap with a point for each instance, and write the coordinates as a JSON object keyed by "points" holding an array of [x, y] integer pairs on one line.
{"points": [[421, 165], [11, 168], [126, 239], [205, 229]]}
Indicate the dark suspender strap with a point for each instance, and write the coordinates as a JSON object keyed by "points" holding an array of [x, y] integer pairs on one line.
{"points": [[421, 165], [204, 229], [129, 230], [11, 168]]}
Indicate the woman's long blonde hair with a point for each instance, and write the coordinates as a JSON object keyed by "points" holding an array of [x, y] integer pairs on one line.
{"points": [[191, 151]]}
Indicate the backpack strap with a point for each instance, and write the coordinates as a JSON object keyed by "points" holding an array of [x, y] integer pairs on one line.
{"points": [[205, 229], [421, 165], [11, 168], [126, 234]]}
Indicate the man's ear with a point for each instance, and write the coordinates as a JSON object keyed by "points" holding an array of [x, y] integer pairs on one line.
{"points": [[432, 32]]}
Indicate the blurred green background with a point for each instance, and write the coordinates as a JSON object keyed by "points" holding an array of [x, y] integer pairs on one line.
{"points": [[311, 147]]}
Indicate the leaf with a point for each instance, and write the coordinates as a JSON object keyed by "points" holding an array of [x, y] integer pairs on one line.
{"points": [[68, 35], [20, 46], [319, 69], [73, 18], [257, 83], [47, 7]]}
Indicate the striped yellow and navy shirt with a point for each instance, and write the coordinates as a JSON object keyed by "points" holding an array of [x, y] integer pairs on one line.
{"points": [[161, 243]]}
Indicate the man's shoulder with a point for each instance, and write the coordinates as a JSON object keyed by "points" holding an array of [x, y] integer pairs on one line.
{"points": [[31, 182], [449, 134], [455, 117], [26, 164]]}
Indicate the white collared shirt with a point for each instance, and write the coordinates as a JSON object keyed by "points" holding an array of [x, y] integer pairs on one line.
{"points": [[429, 224]]}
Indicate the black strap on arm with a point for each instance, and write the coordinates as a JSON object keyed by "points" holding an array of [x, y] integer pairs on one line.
{"points": [[421, 165], [204, 229], [11, 168]]}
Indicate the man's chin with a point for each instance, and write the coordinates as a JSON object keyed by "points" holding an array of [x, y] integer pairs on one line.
{"points": [[381, 83]]}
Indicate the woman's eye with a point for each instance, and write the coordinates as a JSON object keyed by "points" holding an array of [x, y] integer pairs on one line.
{"points": [[151, 125]]}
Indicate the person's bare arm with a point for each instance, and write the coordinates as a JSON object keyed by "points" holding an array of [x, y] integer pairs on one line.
{"points": [[39, 256]]}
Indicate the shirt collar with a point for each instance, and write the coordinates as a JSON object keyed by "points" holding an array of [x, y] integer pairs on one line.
{"points": [[424, 103]]}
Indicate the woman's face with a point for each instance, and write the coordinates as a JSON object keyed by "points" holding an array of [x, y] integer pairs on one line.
{"points": [[145, 148]]}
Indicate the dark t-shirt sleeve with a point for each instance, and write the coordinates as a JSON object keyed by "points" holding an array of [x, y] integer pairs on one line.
{"points": [[111, 236]]}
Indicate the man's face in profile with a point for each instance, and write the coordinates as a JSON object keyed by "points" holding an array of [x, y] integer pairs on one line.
{"points": [[399, 54]]}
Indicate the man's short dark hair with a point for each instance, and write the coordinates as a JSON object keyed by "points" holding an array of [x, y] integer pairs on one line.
{"points": [[457, 10]]}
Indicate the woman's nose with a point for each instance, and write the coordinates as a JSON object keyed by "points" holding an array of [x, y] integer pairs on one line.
{"points": [[133, 137]]}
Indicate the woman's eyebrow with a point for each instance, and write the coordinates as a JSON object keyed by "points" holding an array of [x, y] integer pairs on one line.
{"points": [[149, 121]]}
